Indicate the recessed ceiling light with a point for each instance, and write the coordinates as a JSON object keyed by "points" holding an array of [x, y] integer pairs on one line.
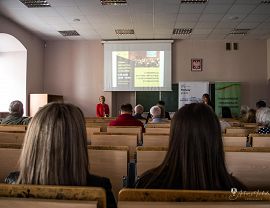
{"points": [[35, 3], [238, 31], [193, 1], [69, 33], [124, 32], [76, 20], [182, 31], [233, 18]]}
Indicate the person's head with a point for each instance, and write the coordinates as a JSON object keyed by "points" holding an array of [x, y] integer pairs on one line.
{"points": [[243, 110], [161, 102], [55, 147], [205, 98], [155, 111], [226, 112], [102, 99], [138, 109], [195, 157], [16, 108], [126, 109], [263, 116], [250, 116], [260, 104]]}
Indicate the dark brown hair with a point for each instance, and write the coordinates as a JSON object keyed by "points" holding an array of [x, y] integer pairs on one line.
{"points": [[126, 108], [195, 157]]}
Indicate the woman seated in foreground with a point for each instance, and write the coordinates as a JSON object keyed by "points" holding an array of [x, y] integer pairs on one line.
{"points": [[55, 151], [195, 157]]}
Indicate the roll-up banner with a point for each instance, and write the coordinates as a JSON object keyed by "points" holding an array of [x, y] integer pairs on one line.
{"points": [[191, 92], [227, 94]]}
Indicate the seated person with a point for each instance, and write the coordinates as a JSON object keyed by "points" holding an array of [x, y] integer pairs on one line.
{"points": [[138, 112], [250, 116], [102, 109], [260, 104], [55, 151], [164, 114], [16, 114], [226, 112], [206, 100], [155, 112], [263, 119], [195, 158], [126, 118]]}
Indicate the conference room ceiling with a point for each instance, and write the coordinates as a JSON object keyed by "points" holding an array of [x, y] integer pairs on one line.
{"points": [[147, 19]]}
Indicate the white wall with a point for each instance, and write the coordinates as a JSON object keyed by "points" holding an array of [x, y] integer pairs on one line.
{"points": [[35, 54]]}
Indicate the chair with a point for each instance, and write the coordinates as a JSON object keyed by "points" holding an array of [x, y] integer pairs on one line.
{"points": [[151, 139], [12, 137], [234, 140], [9, 156], [260, 140], [28, 196], [110, 162], [146, 198]]}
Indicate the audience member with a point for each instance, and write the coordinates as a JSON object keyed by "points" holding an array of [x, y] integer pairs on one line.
{"points": [[206, 100], [155, 112], [55, 151], [15, 114], [226, 112], [260, 104], [263, 119], [195, 158], [138, 112], [164, 113], [250, 116], [243, 111], [126, 118], [102, 109]]}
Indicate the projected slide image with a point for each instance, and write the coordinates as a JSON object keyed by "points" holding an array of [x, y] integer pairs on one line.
{"points": [[138, 68]]}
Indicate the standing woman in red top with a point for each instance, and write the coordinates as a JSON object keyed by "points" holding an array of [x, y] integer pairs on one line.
{"points": [[102, 109]]}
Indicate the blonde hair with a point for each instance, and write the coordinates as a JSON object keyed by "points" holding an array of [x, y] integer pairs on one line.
{"points": [[138, 109], [55, 147]]}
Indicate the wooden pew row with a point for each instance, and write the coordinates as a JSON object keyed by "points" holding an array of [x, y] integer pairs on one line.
{"points": [[90, 130], [240, 130], [155, 139], [157, 130], [12, 137], [127, 129], [250, 165], [111, 162], [32, 196], [235, 140], [260, 140], [13, 128], [148, 198]]}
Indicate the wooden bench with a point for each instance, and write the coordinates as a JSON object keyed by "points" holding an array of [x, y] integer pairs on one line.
{"points": [[151, 139], [146, 198], [12, 137], [9, 156], [235, 140], [260, 140], [90, 130], [158, 125], [13, 128], [240, 130], [250, 165], [28, 196], [110, 162], [116, 139], [127, 129], [157, 130]]}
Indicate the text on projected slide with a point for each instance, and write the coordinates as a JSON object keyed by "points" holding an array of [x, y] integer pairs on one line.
{"points": [[138, 68]]}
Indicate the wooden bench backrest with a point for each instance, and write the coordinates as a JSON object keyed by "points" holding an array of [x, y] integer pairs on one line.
{"points": [[155, 140], [158, 125], [234, 140], [110, 162], [9, 156], [157, 130], [260, 140], [146, 198], [240, 130], [250, 165], [116, 139], [126, 129], [13, 128], [90, 130], [53, 194], [12, 137]]}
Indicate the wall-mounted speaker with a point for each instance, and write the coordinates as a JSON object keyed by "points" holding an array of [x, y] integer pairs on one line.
{"points": [[228, 46]]}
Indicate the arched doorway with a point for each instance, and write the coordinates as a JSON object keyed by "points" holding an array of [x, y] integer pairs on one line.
{"points": [[13, 60]]}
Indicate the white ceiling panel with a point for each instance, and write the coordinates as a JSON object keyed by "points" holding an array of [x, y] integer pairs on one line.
{"points": [[148, 18]]}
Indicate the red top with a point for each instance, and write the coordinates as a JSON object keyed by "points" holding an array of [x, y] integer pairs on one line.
{"points": [[102, 109], [126, 120]]}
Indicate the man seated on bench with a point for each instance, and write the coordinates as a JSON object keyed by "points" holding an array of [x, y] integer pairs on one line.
{"points": [[15, 114], [195, 157]]}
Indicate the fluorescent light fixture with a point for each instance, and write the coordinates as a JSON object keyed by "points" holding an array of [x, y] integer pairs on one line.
{"points": [[124, 31], [182, 31], [35, 3], [69, 33], [193, 1], [113, 2]]}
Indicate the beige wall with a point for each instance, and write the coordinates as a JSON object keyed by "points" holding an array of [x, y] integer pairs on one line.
{"points": [[268, 60], [74, 69], [35, 54]]}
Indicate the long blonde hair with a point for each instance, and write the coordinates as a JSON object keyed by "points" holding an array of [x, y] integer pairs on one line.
{"points": [[55, 147]]}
